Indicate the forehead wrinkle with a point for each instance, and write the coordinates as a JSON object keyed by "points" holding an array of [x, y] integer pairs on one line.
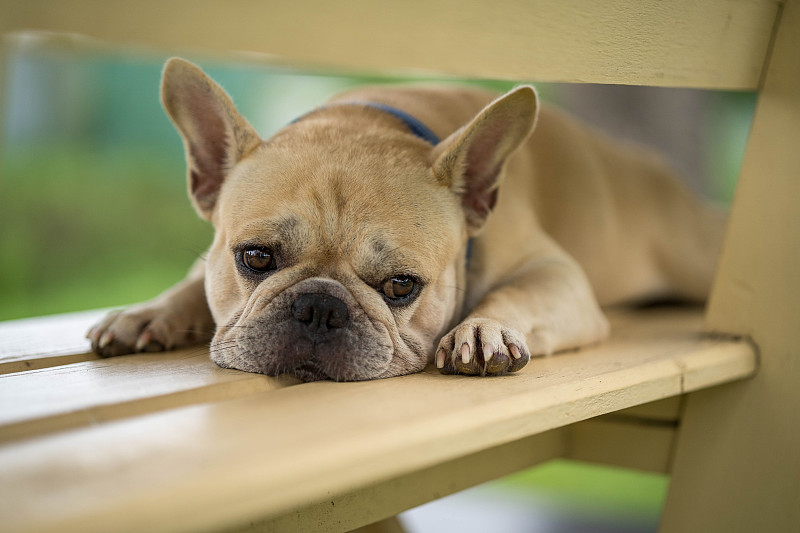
{"points": [[332, 211], [359, 227], [284, 229], [387, 253], [386, 256], [354, 232]]}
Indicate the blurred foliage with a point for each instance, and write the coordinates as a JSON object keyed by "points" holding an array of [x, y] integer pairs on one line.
{"points": [[729, 125], [615, 494], [83, 229]]}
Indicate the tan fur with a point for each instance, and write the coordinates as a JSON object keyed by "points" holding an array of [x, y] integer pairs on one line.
{"points": [[347, 199]]}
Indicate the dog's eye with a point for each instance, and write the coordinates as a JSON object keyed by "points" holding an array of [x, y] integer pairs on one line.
{"points": [[258, 259], [398, 287]]}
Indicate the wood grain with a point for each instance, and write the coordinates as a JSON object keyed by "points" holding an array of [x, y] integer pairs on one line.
{"points": [[342, 512], [263, 455], [87, 393], [33, 343], [709, 44]]}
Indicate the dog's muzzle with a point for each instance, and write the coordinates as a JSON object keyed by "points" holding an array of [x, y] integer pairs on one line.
{"points": [[314, 330]]}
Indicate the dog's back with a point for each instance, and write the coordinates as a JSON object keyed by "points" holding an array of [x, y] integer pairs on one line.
{"points": [[618, 209]]}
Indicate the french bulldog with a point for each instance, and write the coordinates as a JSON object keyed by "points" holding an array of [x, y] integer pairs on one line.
{"points": [[395, 227]]}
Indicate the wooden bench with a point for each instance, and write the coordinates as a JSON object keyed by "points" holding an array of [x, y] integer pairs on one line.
{"points": [[170, 442]]}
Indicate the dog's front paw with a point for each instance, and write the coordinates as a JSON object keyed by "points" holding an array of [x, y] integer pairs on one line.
{"points": [[480, 346], [147, 327]]}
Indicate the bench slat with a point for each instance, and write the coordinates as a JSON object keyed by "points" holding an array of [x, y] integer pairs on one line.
{"points": [[617, 441], [267, 454], [61, 397], [81, 394], [349, 510], [710, 44], [34, 343]]}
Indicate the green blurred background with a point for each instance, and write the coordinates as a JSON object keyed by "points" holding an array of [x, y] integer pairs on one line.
{"points": [[93, 208]]}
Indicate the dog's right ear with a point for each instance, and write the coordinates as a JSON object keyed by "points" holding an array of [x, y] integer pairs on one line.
{"points": [[214, 135]]}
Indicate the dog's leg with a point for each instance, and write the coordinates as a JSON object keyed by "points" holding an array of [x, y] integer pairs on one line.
{"points": [[546, 298], [548, 307], [176, 318]]}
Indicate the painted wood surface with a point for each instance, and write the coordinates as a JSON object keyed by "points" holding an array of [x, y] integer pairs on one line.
{"points": [[263, 455], [42, 342], [738, 452], [641, 444], [87, 393], [344, 511], [710, 44]]}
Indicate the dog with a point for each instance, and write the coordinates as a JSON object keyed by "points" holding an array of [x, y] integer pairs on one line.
{"points": [[395, 227]]}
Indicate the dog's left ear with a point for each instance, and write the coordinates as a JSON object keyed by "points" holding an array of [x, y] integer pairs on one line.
{"points": [[215, 135], [471, 160]]}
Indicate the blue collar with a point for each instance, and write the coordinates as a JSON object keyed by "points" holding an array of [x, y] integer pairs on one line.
{"points": [[415, 126]]}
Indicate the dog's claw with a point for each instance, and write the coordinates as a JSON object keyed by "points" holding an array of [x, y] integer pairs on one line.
{"points": [[440, 355], [105, 340], [488, 351], [466, 354], [144, 339]]}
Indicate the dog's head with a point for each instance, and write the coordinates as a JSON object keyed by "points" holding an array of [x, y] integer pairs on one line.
{"points": [[340, 243]]}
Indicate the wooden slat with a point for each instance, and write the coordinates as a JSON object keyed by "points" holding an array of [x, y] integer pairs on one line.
{"points": [[343, 512], [709, 44], [265, 455], [34, 343], [667, 410], [620, 441], [82, 394], [57, 398], [640, 437]]}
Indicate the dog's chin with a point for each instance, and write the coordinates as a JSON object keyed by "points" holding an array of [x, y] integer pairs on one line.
{"points": [[307, 371]]}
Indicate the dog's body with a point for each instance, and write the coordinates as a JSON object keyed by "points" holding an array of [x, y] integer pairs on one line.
{"points": [[348, 248]]}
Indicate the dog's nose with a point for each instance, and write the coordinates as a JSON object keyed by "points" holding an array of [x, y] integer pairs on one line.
{"points": [[320, 313]]}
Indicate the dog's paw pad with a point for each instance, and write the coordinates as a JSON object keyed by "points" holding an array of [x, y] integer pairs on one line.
{"points": [[481, 347]]}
